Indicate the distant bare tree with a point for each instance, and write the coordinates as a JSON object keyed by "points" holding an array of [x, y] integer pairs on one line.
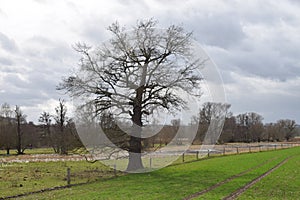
{"points": [[229, 130], [64, 136], [210, 114], [135, 75], [60, 118], [211, 110], [6, 111], [21, 119], [7, 128], [251, 126], [45, 121], [287, 127], [272, 132]]}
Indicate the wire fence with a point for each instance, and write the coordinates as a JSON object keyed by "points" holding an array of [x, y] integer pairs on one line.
{"points": [[200, 152], [239, 148], [177, 155]]}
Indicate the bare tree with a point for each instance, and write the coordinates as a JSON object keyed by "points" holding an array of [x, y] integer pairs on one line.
{"points": [[272, 132], [256, 126], [7, 128], [135, 75], [61, 135], [250, 126], [45, 121], [61, 122], [6, 111], [287, 128], [210, 114], [21, 119], [229, 130]]}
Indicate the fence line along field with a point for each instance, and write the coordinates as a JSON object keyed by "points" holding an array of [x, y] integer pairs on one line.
{"points": [[23, 177], [213, 178]]}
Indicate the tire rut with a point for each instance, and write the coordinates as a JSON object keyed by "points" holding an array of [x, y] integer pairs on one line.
{"points": [[197, 194], [241, 190]]}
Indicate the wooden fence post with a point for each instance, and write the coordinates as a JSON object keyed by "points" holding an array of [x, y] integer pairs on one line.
{"points": [[183, 157], [197, 155], [115, 169], [150, 162]]}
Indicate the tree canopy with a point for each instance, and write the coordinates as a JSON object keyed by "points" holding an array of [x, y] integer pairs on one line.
{"points": [[137, 73]]}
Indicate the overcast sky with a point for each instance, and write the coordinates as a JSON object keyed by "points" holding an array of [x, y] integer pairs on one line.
{"points": [[255, 44]]}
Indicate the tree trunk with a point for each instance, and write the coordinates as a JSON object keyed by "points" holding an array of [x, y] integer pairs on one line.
{"points": [[135, 150], [62, 142], [135, 143], [19, 144], [135, 162]]}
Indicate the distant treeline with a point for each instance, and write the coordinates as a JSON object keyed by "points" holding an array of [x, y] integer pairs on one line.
{"points": [[58, 131]]}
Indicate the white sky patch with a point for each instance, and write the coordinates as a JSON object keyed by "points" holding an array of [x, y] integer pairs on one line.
{"points": [[25, 19]]}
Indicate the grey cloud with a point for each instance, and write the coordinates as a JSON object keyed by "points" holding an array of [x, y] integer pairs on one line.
{"points": [[95, 33], [48, 56], [41, 47], [223, 30], [295, 2], [7, 43], [276, 57], [265, 14], [126, 12], [6, 62], [44, 82], [39, 87], [44, 63], [265, 61], [15, 82], [24, 98]]}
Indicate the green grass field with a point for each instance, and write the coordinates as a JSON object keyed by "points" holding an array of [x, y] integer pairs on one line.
{"points": [[283, 183], [18, 178], [182, 180]]}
